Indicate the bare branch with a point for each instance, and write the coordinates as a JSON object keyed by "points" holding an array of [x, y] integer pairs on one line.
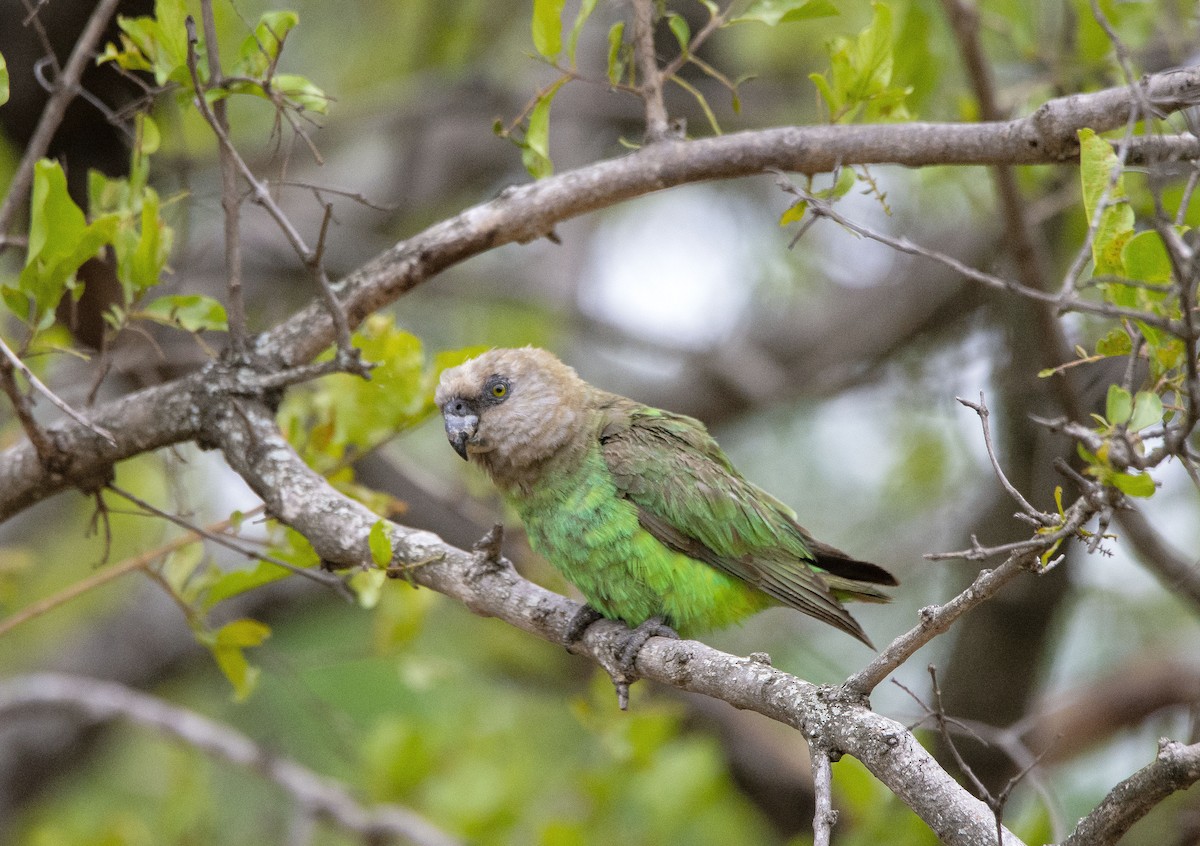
{"points": [[821, 208], [38, 385], [1176, 767], [1027, 250], [316, 795], [651, 86], [825, 817], [322, 578], [232, 163], [529, 211], [66, 86], [935, 619], [338, 528], [981, 409], [101, 577], [231, 201]]}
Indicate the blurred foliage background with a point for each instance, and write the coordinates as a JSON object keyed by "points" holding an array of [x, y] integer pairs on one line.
{"points": [[828, 372]]}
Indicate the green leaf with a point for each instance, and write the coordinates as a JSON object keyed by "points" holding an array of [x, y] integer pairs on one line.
{"points": [[191, 312], [347, 413], [1097, 165], [244, 632], [263, 47], [380, 541], [3, 80], [1147, 410], [18, 303], [616, 62], [773, 12], [585, 11], [179, 566], [368, 586], [148, 137], [1145, 258], [236, 582], [547, 27], [1116, 342], [226, 645], [60, 239], [535, 153], [794, 213], [300, 91], [1134, 485], [143, 268], [1119, 406], [859, 81], [846, 180], [683, 33], [157, 44]]}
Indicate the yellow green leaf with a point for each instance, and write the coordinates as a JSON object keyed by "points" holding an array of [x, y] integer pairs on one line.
{"points": [[380, 541], [547, 27]]}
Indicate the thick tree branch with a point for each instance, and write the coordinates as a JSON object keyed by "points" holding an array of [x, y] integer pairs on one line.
{"points": [[1176, 767], [169, 414], [316, 796], [140, 422], [527, 212], [338, 528]]}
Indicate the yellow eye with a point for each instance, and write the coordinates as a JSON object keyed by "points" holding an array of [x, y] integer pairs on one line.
{"points": [[499, 390]]}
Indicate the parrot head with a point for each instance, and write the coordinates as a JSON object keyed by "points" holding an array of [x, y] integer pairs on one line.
{"points": [[511, 408]]}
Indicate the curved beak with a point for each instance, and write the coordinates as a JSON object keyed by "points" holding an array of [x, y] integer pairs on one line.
{"points": [[460, 428]]}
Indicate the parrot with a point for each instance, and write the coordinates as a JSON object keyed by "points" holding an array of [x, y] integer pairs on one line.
{"points": [[638, 507]]}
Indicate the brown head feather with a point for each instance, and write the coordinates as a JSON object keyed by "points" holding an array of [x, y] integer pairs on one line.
{"points": [[541, 416]]}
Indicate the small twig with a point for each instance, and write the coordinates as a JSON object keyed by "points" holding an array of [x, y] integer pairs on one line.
{"points": [[312, 259], [348, 358], [935, 619], [714, 23], [231, 201], [295, 375], [651, 87], [982, 410], [14, 363], [32, 19], [100, 522], [825, 817], [820, 208], [995, 801], [318, 190], [938, 712], [66, 86], [1186, 200], [47, 451], [319, 576], [318, 796], [101, 577]]}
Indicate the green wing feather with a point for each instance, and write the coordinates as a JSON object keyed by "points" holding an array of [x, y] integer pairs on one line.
{"points": [[694, 501]]}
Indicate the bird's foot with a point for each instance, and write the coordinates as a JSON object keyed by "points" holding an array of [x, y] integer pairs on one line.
{"points": [[579, 624], [628, 647]]}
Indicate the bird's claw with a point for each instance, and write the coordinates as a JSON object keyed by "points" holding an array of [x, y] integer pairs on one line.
{"points": [[627, 650], [579, 624]]}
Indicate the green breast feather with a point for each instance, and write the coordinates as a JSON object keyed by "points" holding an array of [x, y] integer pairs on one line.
{"points": [[654, 521]]}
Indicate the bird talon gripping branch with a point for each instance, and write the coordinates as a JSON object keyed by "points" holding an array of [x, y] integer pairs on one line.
{"points": [[578, 625], [638, 507]]}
